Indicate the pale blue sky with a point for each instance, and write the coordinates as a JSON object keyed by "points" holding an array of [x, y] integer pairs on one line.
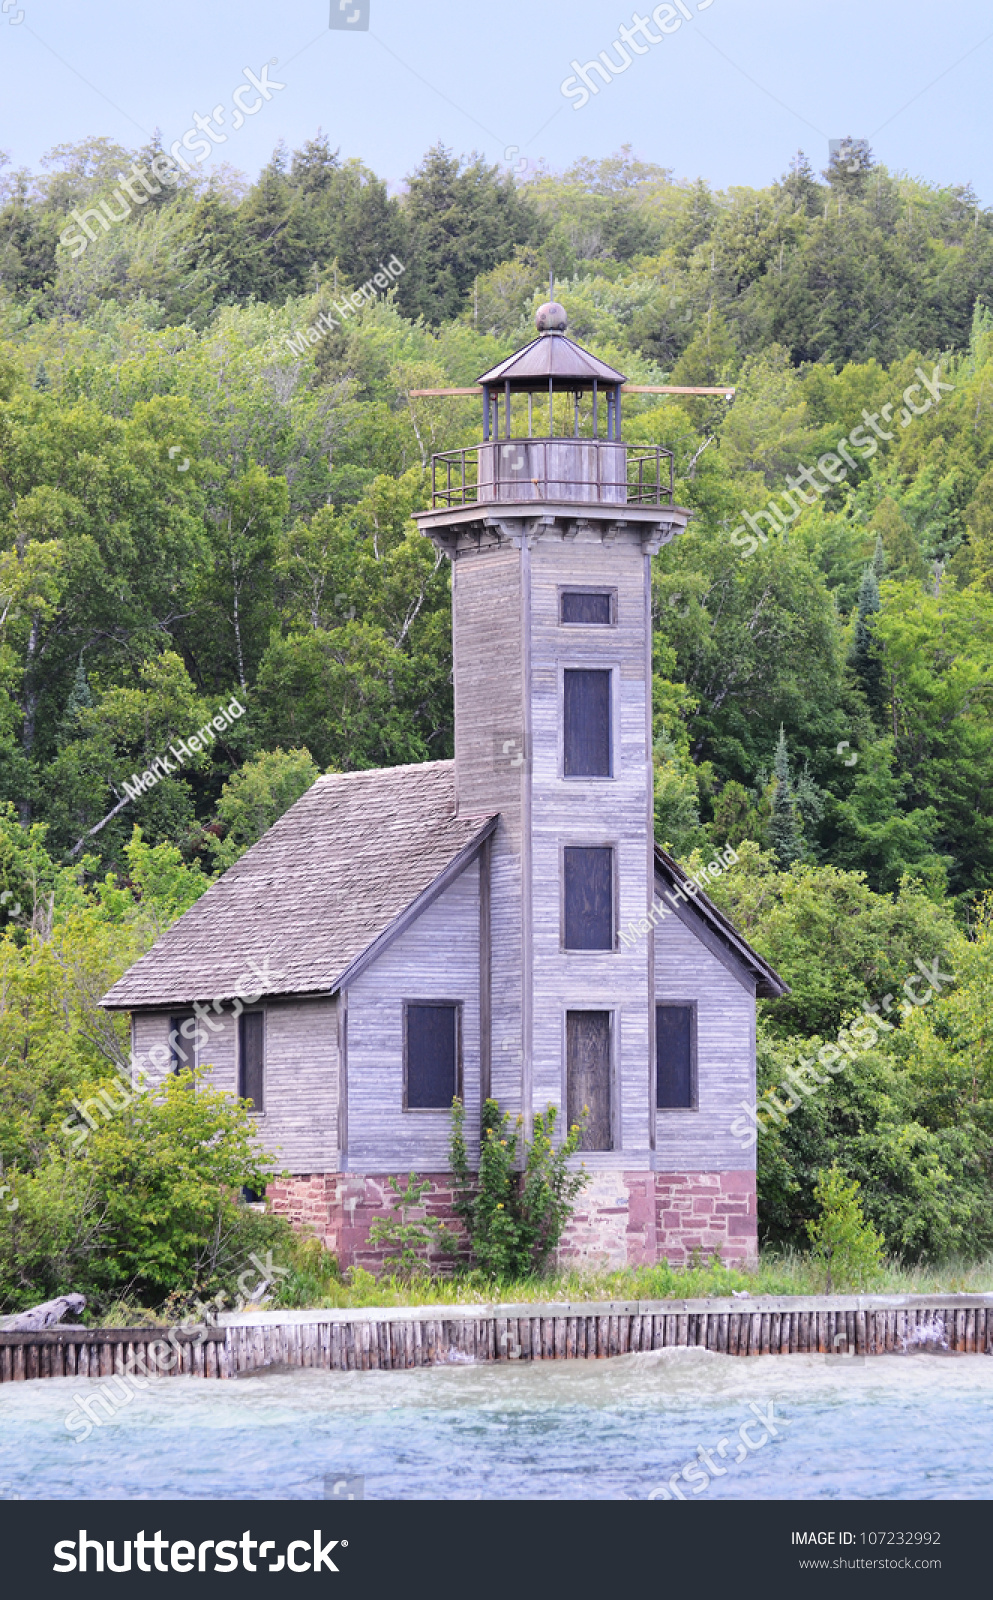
{"points": [[728, 97]]}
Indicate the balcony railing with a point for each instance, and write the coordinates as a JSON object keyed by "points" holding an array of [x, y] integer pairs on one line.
{"points": [[594, 471]]}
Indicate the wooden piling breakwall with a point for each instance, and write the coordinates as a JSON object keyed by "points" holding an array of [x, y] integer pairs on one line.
{"points": [[404, 1337]]}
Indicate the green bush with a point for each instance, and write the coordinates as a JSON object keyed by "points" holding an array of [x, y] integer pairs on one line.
{"points": [[514, 1220], [847, 1247], [147, 1206], [408, 1238]]}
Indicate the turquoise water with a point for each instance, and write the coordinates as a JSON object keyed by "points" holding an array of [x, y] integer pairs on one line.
{"points": [[889, 1428]]}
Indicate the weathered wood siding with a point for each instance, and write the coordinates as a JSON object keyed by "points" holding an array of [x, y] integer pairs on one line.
{"points": [[553, 469], [701, 1140], [592, 811], [299, 1124], [491, 763], [437, 958]]}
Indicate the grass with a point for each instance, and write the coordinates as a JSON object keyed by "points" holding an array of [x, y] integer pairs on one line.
{"points": [[776, 1274], [314, 1282]]}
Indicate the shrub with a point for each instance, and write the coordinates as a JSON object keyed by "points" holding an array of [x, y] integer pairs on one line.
{"points": [[409, 1238], [149, 1205], [514, 1220], [848, 1247]]}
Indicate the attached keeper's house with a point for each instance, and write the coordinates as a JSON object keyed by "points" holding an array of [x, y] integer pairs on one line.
{"points": [[502, 924]]}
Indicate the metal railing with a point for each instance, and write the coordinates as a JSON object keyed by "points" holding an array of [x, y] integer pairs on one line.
{"points": [[518, 469]]}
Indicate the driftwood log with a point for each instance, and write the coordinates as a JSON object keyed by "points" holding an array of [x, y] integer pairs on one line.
{"points": [[44, 1316]]}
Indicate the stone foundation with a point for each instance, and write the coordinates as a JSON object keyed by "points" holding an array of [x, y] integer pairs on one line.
{"points": [[638, 1218], [620, 1219], [339, 1207]]}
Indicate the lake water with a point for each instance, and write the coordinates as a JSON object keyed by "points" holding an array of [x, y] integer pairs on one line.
{"points": [[888, 1428]]}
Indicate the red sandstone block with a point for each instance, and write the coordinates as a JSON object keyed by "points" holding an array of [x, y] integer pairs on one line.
{"points": [[741, 1227], [702, 1208], [737, 1181]]}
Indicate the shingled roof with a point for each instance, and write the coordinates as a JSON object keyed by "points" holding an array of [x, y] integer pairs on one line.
{"points": [[341, 871]]}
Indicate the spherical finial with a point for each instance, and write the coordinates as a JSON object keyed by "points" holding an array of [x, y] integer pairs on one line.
{"points": [[551, 318]]}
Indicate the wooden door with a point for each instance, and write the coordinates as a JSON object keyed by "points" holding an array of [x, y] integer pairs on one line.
{"points": [[588, 1075]]}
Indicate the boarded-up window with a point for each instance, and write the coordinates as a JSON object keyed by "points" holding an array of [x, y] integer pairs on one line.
{"points": [[431, 1057], [585, 606], [589, 897], [251, 1058], [586, 724], [588, 1075], [181, 1047], [675, 1039]]}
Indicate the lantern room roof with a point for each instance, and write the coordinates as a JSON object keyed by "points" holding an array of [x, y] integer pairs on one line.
{"points": [[554, 356]]}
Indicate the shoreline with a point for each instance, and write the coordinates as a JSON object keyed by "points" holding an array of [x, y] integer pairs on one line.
{"points": [[394, 1338]]}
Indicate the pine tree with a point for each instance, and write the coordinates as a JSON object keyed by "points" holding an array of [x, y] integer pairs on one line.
{"points": [[865, 650], [801, 185], [785, 829], [80, 699], [879, 559]]}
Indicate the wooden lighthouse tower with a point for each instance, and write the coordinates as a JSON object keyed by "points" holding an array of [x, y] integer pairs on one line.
{"points": [[550, 524]]}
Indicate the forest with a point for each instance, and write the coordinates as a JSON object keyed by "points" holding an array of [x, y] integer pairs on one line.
{"points": [[200, 508]]}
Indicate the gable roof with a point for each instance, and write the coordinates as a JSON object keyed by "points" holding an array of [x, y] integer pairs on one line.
{"points": [[345, 868], [721, 935], [552, 355]]}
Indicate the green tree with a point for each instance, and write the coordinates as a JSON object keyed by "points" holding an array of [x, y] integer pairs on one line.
{"points": [[785, 826], [865, 651], [847, 1246], [463, 218], [255, 797]]}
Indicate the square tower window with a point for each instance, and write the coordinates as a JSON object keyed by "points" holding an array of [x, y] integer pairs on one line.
{"points": [[588, 897], [586, 723], [675, 1044], [431, 1075], [586, 606]]}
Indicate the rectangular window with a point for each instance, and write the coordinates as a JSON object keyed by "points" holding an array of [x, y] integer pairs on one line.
{"points": [[182, 1050], [586, 724], [588, 897], [588, 1075], [586, 606], [675, 1042], [251, 1058], [431, 1056]]}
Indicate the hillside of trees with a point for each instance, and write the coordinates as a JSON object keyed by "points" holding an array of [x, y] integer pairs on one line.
{"points": [[193, 511]]}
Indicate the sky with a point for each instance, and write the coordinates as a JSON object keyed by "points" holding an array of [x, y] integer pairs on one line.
{"points": [[729, 94]]}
